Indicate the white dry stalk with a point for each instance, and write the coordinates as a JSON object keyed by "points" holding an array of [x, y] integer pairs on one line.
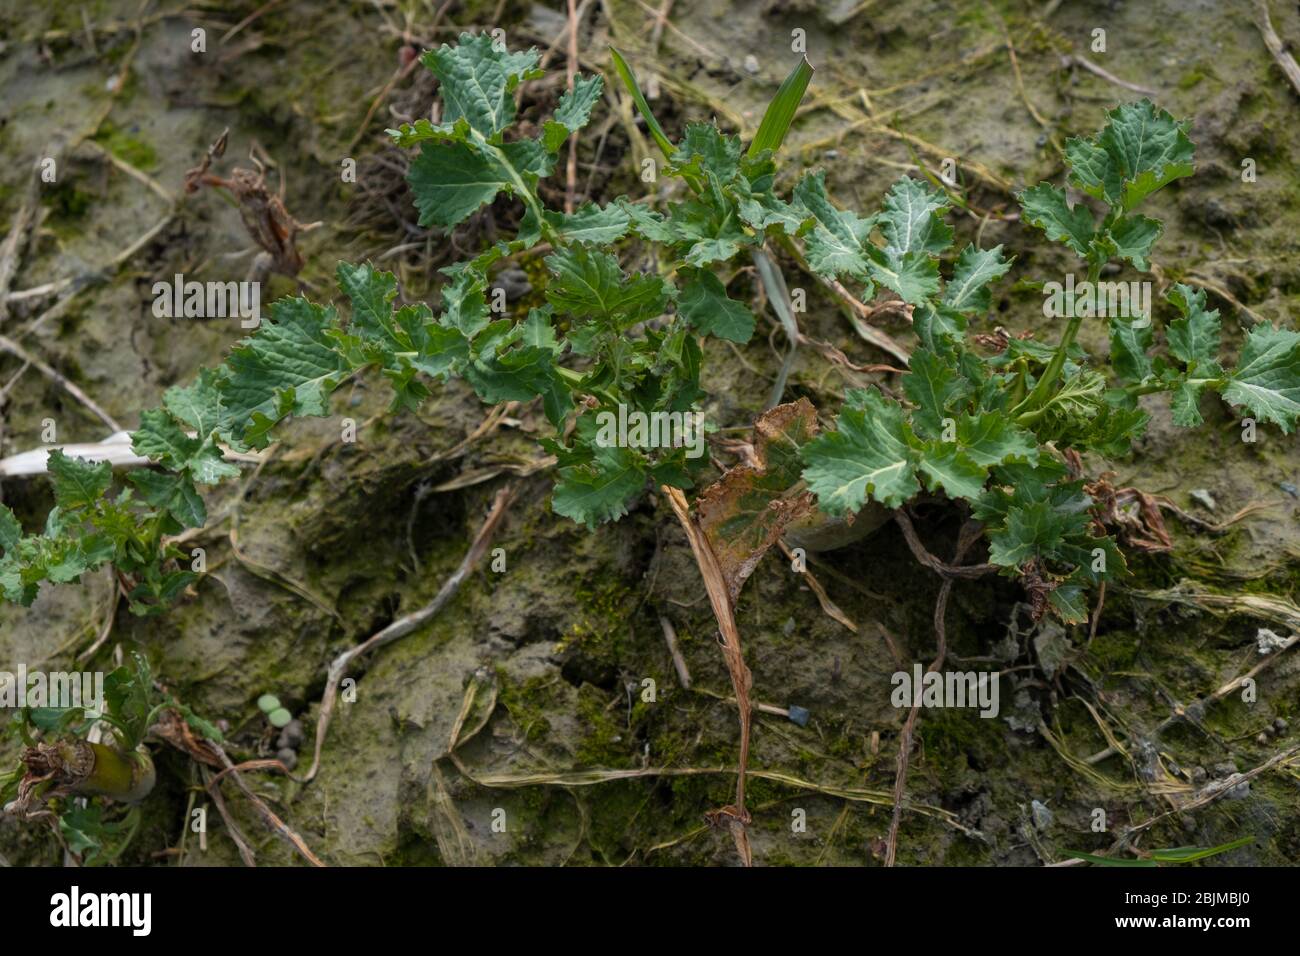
{"points": [[115, 449], [1270, 641]]}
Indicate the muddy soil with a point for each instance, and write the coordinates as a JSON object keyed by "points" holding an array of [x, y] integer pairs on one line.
{"points": [[517, 727]]}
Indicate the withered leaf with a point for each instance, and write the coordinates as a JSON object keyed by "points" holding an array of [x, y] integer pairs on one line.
{"points": [[745, 511]]}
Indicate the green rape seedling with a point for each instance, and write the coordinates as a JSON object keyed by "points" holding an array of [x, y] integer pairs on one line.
{"points": [[989, 430]]}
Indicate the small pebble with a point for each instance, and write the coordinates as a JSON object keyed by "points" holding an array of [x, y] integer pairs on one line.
{"points": [[515, 282], [1280, 725], [1199, 776], [1042, 815], [751, 65], [1261, 739], [1269, 641], [287, 757], [799, 715], [1240, 792], [1290, 489], [1203, 498], [291, 737], [1225, 769]]}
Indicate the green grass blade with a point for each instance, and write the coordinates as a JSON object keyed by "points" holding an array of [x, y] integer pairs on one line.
{"points": [[1189, 854], [778, 295], [1096, 860], [629, 80], [780, 112], [1178, 854]]}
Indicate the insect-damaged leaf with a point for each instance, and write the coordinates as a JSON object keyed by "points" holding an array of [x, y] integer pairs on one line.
{"points": [[745, 512]]}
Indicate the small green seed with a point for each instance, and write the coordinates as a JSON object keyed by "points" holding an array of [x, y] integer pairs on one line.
{"points": [[267, 703], [279, 717]]}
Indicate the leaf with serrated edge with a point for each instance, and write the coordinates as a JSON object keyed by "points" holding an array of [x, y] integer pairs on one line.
{"points": [[175, 494], [573, 111], [968, 291], [952, 470], [1133, 236], [914, 276], [704, 149], [1046, 207], [160, 438], [1031, 530], [990, 439], [1141, 149], [11, 531], [908, 221], [1148, 148], [600, 490], [933, 386], [704, 303], [837, 244], [1267, 378], [1195, 336], [591, 223], [1129, 342], [449, 181], [77, 483], [289, 353], [867, 455], [477, 81], [591, 284], [197, 405]]}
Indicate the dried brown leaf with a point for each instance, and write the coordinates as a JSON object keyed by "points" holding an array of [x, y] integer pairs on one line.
{"points": [[745, 512]]}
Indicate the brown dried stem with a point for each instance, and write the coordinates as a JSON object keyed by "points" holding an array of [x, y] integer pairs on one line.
{"points": [[715, 584], [968, 535], [407, 623]]}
